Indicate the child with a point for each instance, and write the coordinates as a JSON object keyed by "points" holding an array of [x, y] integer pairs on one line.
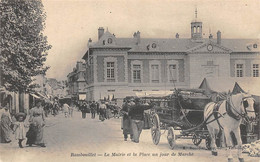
{"points": [[19, 128]]}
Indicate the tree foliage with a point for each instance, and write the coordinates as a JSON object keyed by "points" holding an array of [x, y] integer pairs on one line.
{"points": [[23, 45]]}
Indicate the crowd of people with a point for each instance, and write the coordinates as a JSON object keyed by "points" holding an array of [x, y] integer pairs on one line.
{"points": [[134, 118]]}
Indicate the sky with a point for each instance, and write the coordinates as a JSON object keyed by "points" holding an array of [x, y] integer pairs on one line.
{"points": [[70, 23]]}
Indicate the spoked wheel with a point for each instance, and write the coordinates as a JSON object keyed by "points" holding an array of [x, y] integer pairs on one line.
{"points": [[196, 140], [155, 129], [208, 143], [171, 137]]}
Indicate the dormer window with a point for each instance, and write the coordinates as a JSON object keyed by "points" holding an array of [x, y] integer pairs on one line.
{"points": [[109, 40], [255, 46], [153, 45]]}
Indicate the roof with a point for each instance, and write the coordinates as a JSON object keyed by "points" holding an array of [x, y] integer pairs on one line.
{"points": [[225, 84], [177, 45]]}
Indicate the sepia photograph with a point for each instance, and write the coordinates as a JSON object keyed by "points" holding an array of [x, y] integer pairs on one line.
{"points": [[129, 80]]}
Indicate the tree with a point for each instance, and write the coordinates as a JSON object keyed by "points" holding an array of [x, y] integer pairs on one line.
{"points": [[23, 45]]}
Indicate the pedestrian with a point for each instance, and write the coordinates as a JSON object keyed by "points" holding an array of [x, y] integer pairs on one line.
{"points": [[5, 123], [19, 128], [55, 107], [116, 111], [147, 118], [126, 121], [72, 107], [93, 109], [97, 107], [102, 110], [37, 119], [66, 110], [83, 110], [136, 113]]}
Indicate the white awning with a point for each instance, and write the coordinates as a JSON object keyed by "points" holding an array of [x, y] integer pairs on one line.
{"points": [[153, 93], [35, 96], [82, 96], [43, 96]]}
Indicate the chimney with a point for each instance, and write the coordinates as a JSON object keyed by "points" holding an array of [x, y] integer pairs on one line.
{"points": [[89, 42], [219, 37], [210, 36], [177, 35], [137, 37], [79, 65], [100, 32]]}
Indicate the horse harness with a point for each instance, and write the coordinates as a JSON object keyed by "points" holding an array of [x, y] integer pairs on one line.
{"points": [[216, 114], [240, 115]]}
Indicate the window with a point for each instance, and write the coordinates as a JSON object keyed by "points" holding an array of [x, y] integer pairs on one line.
{"points": [[239, 70], [137, 73], [104, 42], [109, 41], [173, 73], [110, 71], [153, 45], [155, 73], [255, 70], [255, 45]]}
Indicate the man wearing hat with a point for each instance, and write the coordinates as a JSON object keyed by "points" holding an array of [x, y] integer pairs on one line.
{"points": [[137, 118]]}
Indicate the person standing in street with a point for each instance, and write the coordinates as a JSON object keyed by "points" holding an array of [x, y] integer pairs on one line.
{"points": [[93, 109], [66, 109], [84, 110], [19, 128], [97, 104], [5, 123], [137, 118], [37, 118], [126, 121], [72, 107], [102, 110]]}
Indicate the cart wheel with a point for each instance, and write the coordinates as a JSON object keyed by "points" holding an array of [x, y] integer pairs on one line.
{"points": [[155, 129], [208, 143], [196, 140], [171, 137]]}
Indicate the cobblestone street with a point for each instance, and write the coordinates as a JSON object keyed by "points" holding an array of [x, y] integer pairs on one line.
{"points": [[97, 141]]}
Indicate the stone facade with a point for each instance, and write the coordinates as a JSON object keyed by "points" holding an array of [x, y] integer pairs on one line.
{"points": [[123, 66], [76, 81]]}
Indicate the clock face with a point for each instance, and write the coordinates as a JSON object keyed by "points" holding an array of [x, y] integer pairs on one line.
{"points": [[210, 47]]}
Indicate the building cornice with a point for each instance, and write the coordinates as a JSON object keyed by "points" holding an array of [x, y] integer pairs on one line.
{"points": [[156, 53]]}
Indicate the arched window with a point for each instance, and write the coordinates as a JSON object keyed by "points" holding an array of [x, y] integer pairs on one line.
{"points": [[255, 45], [153, 45], [109, 40]]}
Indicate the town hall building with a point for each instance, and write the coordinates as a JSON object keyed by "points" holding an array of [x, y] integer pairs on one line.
{"points": [[123, 66]]}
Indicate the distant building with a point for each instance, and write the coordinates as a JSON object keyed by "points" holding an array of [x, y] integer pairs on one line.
{"points": [[124, 66], [76, 82], [56, 88]]}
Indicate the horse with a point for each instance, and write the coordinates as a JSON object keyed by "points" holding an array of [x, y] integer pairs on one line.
{"points": [[226, 116]]}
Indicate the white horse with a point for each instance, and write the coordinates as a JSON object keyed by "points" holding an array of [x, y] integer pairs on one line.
{"points": [[228, 117]]}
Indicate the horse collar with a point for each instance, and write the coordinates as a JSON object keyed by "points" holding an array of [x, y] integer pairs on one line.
{"points": [[230, 112]]}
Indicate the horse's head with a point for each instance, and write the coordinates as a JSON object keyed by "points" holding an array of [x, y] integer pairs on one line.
{"points": [[247, 105]]}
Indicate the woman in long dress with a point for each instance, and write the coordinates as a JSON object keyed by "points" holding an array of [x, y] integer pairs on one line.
{"points": [[5, 124], [37, 122]]}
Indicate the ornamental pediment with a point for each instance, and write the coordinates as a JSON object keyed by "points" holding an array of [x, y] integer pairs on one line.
{"points": [[209, 47]]}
